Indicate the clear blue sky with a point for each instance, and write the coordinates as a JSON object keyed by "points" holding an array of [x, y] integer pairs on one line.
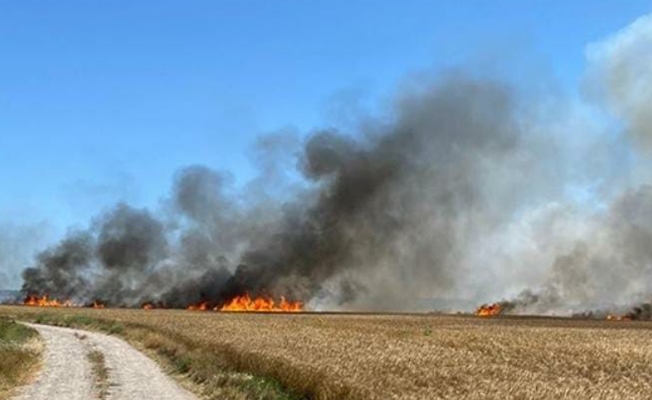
{"points": [[103, 101]]}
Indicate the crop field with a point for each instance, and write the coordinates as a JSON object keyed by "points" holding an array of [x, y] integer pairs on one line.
{"points": [[348, 356]]}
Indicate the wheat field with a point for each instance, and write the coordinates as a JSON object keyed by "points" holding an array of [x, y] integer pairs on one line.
{"points": [[331, 356]]}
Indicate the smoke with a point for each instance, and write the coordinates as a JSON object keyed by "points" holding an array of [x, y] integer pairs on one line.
{"points": [[609, 267], [609, 264], [620, 74], [60, 269], [467, 188], [397, 198], [129, 239], [17, 246]]}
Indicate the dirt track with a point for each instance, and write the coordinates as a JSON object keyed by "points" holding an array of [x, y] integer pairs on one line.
{"points": [[66, 373]]}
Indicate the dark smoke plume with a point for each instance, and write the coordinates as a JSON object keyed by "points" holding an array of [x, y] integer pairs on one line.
{"points": [[60, 270], [396, 195]]}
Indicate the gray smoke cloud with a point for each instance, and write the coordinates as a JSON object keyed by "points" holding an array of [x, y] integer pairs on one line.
{"points": [[620, 74], [18, 243], [467, 189], [609, 268], [400, 193], [609, 264], [60, 270]]}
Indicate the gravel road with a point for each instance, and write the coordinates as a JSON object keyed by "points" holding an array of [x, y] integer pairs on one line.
{"points": [[67, 374]]}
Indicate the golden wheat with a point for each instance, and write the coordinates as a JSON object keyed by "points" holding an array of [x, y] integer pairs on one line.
{"points": [[416, 357]]}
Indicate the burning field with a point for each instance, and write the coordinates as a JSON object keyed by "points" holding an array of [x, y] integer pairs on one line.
{"points": [[244, 303], [362, 357], [466, 190]]}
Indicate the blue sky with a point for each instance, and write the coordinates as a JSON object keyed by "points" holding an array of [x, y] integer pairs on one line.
{"points": [[103, 101]]}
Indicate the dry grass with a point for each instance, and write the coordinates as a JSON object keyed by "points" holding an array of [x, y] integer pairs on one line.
{"points": [[100, 373], [19, 351], [409, 357]]}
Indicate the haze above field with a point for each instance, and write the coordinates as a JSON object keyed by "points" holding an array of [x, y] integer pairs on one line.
{"points": [[354, 154]]}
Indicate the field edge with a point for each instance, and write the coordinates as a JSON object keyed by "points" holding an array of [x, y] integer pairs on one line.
{"points": [[20, 355]]}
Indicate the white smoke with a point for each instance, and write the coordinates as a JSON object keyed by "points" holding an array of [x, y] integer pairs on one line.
{"points": [[18, 244], [620, 72]]}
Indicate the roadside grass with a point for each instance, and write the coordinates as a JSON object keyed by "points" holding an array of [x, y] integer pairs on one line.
{"points": [[202, 369], [100, 373], [19, 353]]}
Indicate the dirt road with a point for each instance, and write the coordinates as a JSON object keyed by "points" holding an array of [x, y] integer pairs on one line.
{"points": [[67, 372]]}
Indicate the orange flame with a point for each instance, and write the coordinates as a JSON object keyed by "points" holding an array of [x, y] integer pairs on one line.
{"points": [[611, 317], [489, 310], [45, 301], [261, 304], [203, 306], [98, 304], [148, 306]]}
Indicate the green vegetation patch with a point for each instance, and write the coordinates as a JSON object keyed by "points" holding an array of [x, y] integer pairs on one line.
{"points": [[79, 321], [12, 332]]}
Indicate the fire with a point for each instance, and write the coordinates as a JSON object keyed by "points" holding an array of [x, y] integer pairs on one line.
{"points": [[98, 304], [489, 310], [148, 306], [203, 306], [611, 317], [45, 301], [261, 304]]}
